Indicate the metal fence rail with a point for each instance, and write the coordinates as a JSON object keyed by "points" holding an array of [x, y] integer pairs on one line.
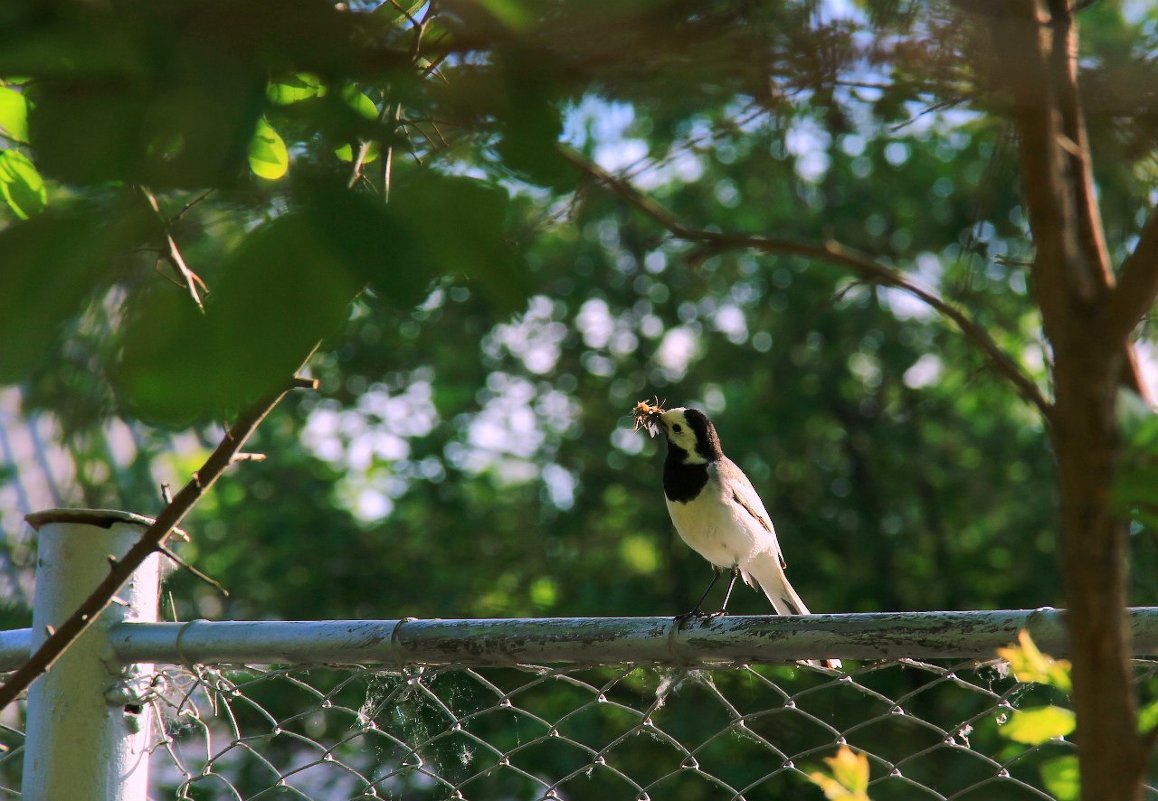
{"points": [[655, 640]]}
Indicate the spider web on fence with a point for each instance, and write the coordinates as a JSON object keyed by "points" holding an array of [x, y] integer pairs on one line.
{"points": [[930, 730]]}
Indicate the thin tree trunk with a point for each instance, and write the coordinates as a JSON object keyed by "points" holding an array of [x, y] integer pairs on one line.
{"points": [[1093, 549], [1035, 58]]}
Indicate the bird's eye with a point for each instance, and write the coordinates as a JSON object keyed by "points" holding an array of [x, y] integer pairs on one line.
{"points": [[677, 428]]}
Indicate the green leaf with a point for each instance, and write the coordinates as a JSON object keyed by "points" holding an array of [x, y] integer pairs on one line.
{"points": [[21, 184], [360, 102], [461, 223], [1035, 726], [847, 779], [346, 153], [281, 292], [1148, 718], [13, 115], [1135, 417], [268, 157], [1030, 665], [302, 86], [165, 342], [52, 263], [371, 241], [1135, 490], [513, 14], [1062, 778]]}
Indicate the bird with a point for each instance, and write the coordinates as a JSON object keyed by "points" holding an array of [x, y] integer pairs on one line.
{"points": [[716, 510]]}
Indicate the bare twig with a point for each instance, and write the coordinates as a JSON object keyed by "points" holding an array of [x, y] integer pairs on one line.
{"points": [[833, 253], [184, 209], [176, 559], [171, 253], [388, 154], [152, 541]]}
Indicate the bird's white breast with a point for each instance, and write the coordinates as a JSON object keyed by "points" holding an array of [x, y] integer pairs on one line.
{"points": [[715, 527]]}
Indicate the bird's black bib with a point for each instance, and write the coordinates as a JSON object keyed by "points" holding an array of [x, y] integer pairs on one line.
{"points": [[681, 481]]}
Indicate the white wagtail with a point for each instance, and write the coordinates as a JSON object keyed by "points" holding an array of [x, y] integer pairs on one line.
{"points": [[716, 510]]}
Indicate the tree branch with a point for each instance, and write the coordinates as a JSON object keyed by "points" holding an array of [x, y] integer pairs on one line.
{"points": [[152, 541], [1036, 43], [1064, 67], [833, 253], [1023, 38], [1137, 287]]}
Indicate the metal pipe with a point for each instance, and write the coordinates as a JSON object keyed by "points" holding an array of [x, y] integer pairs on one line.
{"points": [[880, 635], [88, 737], [726, 640], [15, 648]]}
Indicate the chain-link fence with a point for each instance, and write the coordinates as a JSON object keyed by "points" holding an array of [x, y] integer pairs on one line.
{"points": [[931, 728]]}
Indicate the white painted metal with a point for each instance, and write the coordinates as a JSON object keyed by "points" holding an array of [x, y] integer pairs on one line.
{"points": [[88, 730], [883, 635], [727, 640]]}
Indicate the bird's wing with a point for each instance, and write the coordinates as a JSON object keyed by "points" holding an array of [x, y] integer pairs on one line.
{"points": [[745, 496]]}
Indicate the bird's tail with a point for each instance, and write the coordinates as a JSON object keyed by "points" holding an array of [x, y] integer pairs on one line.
{"points": [[770, 576]]}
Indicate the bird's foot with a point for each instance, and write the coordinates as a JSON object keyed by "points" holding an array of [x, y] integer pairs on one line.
{"points": [[686, 617], [698, 614], [830, 664]]}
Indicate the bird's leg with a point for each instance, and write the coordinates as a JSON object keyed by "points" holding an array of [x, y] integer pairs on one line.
{"points": [[697, 611], [728, 594]]}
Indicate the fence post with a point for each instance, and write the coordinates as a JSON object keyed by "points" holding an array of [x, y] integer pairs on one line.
{"points": [[89, 731]]}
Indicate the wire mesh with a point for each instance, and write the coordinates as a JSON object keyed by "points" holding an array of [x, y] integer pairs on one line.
{"points": [[11, 750], [930, 730]]}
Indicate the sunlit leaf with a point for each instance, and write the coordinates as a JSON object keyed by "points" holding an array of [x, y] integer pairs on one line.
{"points": [[847, 777], [346, 153], [1030, 665], [1148, 717], [13, 114], [268, 157], [295, 89], [1062, 778], [360, 102], [21, 185], [1035, 726]]}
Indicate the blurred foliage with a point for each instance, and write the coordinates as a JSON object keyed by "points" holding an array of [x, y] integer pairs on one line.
{"points": [[386, 179], [448, 433]]}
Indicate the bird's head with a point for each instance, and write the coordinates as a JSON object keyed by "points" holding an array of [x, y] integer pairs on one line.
{"points": [[688, 430]]}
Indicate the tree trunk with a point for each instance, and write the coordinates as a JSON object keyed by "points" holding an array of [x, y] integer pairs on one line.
{"points": [[1094, 545], [1034, 61]]}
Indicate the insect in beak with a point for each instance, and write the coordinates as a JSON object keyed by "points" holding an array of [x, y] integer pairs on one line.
{"points": [[645, 415]]}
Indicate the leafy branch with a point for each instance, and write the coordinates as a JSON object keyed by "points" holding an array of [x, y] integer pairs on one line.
{"points": [[832, 252], [152, 541]]}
